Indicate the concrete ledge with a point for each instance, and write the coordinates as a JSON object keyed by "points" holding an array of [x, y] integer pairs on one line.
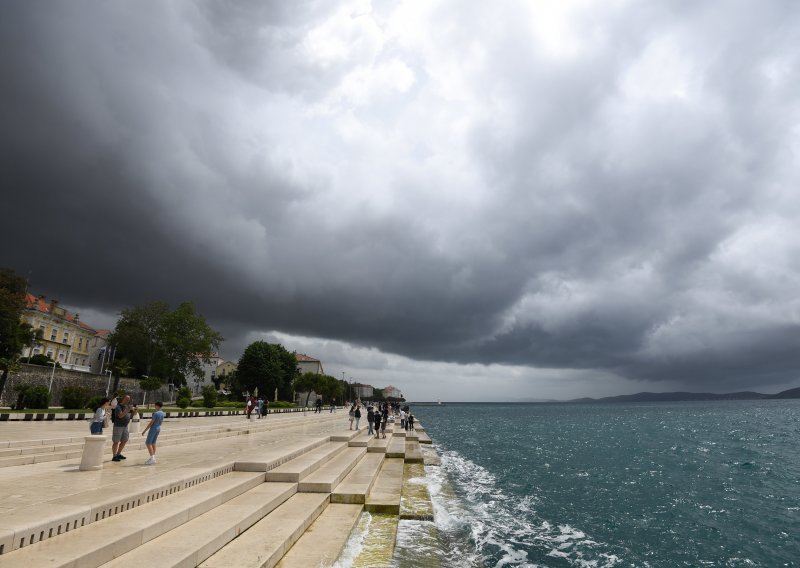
{"points": [[324, 540], [269, 539], [385, 494], [355, 487], [298, 468], [331, 474]]}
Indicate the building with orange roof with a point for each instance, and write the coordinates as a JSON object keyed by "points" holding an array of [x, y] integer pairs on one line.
{"points": [[308, 364], [62, 336]]}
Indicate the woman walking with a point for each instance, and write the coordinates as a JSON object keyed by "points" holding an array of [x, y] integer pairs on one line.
{"points": [[358, 414], [352, 415]]}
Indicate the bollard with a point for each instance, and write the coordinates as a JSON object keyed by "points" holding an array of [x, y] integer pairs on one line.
{"points": [[93, 452], [253, 417], [134, 426]]}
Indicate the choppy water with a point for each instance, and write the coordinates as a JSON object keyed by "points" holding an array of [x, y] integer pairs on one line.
{"points": [[659, 485]]}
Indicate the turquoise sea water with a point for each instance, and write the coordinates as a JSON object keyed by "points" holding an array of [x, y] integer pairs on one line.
{"points": [[660, 485]]}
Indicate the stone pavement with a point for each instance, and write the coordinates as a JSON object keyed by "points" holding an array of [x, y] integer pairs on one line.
{"points": [[210, 484]]}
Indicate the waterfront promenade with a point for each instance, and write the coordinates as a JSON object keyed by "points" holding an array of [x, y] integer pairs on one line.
{"points": [[283, 491]]}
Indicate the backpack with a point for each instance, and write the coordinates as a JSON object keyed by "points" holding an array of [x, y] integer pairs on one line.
{"points": [[114, 414]]}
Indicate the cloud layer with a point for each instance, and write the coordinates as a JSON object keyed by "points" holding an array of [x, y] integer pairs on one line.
{"points": [[562, 185]]}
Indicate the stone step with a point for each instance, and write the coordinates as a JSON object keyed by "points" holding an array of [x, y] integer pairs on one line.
{"points": [[355, 487], [307, 463], [327, 477], [424, 438], [103, 540], [29, 525], [266, 542], [267, 459], [362, 440], [324, 540], [193, 542], [413, 452], [396, 447], [385, 494], [415, 502], [379, 445]]}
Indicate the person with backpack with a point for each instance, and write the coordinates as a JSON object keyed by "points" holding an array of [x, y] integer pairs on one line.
{"points": [[378, 424], [96, 426], [121, 417]]}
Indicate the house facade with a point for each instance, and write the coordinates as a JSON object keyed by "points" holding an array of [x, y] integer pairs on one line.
{"points": [[308, 364], [392, 392], [209, 372], [62, 336]]}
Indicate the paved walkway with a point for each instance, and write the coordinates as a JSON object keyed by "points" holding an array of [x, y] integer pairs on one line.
{"points": [[26, 485]]}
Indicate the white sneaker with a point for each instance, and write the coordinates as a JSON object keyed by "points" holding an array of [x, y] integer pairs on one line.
{"points": [[151, 461]]}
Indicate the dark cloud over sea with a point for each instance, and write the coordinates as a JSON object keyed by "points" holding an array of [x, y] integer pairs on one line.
{"points": [[595, 188]]}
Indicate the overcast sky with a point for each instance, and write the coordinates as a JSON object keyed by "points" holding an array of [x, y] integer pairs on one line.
{"points": [[469, 200]]}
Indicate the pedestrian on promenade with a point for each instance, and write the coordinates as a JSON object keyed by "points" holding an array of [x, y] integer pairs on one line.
{"points": [[98, 420], [259, 406], [109, 420], [333, 405], [377, 419], [403, 419], [249, 408], [319, 406], [352, 415], [135, 417], [265, 408], [384, 420], [155, 430], [410, 422], [370, 420], [357, 415], [122, 418]]}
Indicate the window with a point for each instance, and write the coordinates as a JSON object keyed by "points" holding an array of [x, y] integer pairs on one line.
{"points": [[61, 356], [80, 343], [53, 333], [50, 353], [65, 338]]}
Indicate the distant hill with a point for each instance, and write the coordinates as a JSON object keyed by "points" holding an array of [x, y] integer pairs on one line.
{"points": [[689, 396]]}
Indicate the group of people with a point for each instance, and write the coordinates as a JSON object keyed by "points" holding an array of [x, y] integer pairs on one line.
{"points": [[258, 405], [120, 414], [378, 417]]}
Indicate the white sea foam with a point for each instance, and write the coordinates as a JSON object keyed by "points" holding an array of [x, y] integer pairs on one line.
{"points": [[502, 530]]}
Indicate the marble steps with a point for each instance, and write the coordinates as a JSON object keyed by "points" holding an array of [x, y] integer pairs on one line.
{"points": [[300, 467], [396, 447], [266, 542], [324, 540], [384, 497], [103, 540], [362, 440], [379, 445], [413, 453], [192, 543], [357, 484], [328, 476]]}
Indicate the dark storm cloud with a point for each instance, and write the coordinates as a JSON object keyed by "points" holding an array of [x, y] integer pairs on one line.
{"points": [[564, 186]]}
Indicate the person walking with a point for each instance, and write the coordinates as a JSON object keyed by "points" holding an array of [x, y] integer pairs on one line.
{"points": [[98, 420], [357, 415], [384, 420], [352, 415], [265, 408], [377, 419], [403, 419], [370, 420], [155, 429], [259, 406], [333, 405], [122, 418]]}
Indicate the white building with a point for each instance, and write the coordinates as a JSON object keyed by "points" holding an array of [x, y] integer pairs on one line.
{"points": [[392, 392], [197, 383]]}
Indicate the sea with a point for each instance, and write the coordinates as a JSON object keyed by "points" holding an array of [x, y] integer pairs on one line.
{"points": [[601, 485]]}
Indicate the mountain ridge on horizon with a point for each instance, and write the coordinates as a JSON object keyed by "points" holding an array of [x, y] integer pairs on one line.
{"points": [[689, 396]]}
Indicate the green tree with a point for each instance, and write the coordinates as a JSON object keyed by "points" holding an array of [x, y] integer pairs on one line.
{"points": [[150, 384], [209, 396], [172, 344], [267, 366], [139, 335], [119, 367], [184, 397], [14, 333], [308, 382]]}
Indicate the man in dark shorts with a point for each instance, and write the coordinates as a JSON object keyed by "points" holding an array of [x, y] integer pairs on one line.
{"points": [[122, 419]]}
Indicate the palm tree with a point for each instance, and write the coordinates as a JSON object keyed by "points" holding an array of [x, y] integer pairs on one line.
{"points": [[118, 368]]}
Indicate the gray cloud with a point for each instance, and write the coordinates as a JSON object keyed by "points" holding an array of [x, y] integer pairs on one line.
{"points": [[569, 187]]}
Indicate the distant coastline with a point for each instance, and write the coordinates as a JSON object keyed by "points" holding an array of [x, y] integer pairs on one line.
{"points": [[647, 397]]}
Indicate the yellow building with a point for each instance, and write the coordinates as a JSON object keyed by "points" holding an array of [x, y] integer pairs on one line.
{"points": [[62, 336]]}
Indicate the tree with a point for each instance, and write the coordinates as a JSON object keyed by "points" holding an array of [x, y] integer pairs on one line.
{"points": [[172, 344], [209, 396], [149, 384], [118, 368], [14, 333], [267, 366], [308, 382]]}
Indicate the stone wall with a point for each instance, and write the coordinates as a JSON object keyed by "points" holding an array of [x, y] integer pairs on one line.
{"points": [[95, 385]]}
